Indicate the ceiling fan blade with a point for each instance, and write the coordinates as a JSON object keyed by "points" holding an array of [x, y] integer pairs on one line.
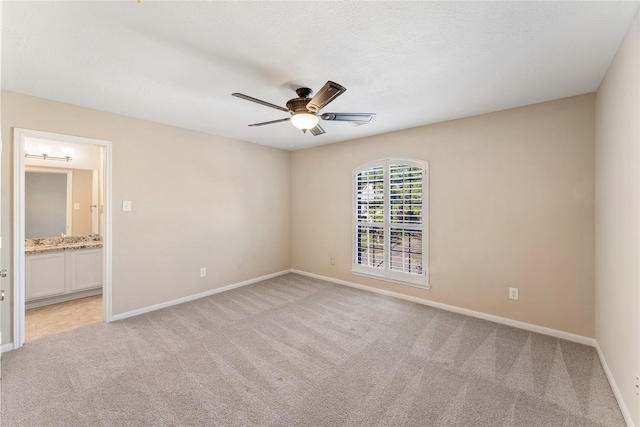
{"points": [[349, 117], [271, 122], [317, 130], [325, 95], [258, 101]]}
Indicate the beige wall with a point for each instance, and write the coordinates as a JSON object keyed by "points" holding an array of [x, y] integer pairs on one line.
{"points": [[198, 201], [617, 213], [81, 193], [511, 206]]}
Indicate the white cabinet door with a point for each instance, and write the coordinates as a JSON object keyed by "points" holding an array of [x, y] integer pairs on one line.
{"points": [[45, 275], [86, 269]]}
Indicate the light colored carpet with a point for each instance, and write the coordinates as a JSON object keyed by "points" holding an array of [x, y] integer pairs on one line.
{"points": [[295, 351]]}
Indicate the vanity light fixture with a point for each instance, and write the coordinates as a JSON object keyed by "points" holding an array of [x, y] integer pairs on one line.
{"points": [[45, 151]]}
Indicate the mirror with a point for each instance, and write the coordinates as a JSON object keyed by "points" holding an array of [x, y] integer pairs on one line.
{"points": [[60, 201]]}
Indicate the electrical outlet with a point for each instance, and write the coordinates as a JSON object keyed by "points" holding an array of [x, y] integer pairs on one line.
{"points": [[332, 261], [637, 385], [240, 265], [513, 293], [203, 272]]}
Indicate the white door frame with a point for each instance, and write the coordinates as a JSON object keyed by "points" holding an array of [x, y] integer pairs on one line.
{"points": [[19, 138]]}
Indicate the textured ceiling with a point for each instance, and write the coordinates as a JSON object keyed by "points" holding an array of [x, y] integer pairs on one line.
{"points": [[412, 63]]}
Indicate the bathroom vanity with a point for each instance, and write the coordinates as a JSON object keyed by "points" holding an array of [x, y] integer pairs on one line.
{"points": [[60, 269]]}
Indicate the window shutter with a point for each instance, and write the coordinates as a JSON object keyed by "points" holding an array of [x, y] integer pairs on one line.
{"points": [[370, 211], [405, 236]]}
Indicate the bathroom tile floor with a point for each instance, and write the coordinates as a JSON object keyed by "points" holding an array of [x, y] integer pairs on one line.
{"points": [[51, 319]]}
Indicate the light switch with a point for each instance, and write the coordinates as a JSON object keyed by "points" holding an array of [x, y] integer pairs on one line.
{"points": [[76, 206], [126, 205]]}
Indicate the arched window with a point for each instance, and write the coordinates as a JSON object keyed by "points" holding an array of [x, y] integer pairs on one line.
{"points": [[391, 221]]}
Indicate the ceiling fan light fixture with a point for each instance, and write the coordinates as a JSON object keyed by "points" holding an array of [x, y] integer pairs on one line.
{"points": [[304, 121]]}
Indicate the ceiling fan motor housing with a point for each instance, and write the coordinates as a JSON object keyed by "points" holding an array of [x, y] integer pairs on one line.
{"points": [[298, 106]]}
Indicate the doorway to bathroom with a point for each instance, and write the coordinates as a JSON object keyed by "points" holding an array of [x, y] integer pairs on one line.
{"points": [[62, 256]]}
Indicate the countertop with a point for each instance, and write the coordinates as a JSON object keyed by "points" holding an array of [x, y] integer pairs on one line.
{"points": [[55, 244]]}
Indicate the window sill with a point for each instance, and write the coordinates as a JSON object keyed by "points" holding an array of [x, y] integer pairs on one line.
{"points": [[387, 279]]}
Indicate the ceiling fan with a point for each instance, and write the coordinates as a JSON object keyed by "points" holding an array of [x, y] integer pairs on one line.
{"points": [[304, 110]]}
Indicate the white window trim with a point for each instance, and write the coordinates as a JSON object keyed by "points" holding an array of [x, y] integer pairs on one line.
{"points": [[416, 280]]}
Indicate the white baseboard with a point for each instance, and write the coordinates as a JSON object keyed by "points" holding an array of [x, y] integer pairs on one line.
{"points": [[6, 347], [166, 304], [614, 386], [503, 320], [62, 298]]}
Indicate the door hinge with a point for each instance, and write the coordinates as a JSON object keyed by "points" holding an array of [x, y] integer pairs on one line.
{"points": [[3, 273]]}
